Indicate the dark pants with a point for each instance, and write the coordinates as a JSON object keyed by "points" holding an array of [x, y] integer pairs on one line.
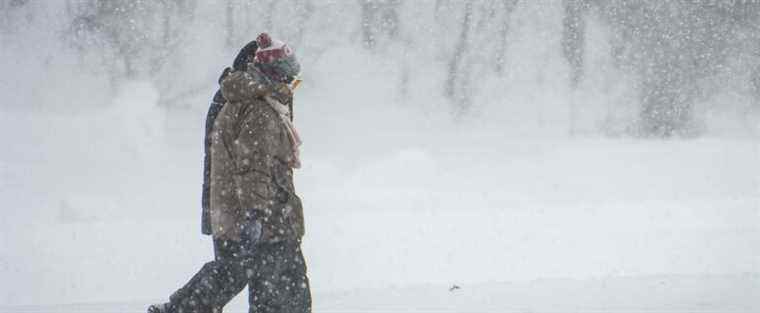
{"points": [[274, 272]]}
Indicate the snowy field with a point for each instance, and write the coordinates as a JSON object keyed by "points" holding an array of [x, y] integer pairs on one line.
{"points": [[556, 225], [654, 294], [403, 199]]}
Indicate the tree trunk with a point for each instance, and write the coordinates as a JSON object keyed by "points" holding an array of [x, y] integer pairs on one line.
{"points": [[368, 33], [573, 38], [509, 6], [457, 84]]}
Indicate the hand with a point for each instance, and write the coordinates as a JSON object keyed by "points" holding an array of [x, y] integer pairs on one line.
{"points": [[252, 232], [282, 195]]}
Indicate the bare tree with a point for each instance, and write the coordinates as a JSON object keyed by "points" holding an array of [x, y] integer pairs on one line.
{"points": [[573, 38], [755, 82], [128, 39], [379, 18], [573, 41], [672, 46], [368, 12], [457, 83], [507, 6], [14, 12]]}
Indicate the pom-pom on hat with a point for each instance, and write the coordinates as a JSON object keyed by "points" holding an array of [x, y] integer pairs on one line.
{"points": [[264, 40]]}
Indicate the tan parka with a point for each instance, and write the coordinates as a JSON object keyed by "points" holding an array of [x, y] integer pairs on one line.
{"points": [[251, 180]]}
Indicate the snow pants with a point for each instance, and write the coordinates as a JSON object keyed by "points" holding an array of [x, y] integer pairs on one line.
{"points": [[274, 272]]}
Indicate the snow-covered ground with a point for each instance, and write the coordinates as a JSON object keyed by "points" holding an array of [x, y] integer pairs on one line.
{"points": [[652, 294], [97, 219]]}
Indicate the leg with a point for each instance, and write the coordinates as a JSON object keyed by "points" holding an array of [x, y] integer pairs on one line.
{"points": [[279, 283], [215, 284], [231, 252]]}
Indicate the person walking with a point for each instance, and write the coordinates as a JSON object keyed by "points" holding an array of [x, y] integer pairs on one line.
{"points": [[254, 215]]}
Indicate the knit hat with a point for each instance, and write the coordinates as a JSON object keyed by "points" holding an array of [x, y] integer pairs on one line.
{"points": [[276, 59]]}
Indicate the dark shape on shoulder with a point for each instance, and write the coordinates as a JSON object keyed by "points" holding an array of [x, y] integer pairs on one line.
{"points": [[245, 56]]}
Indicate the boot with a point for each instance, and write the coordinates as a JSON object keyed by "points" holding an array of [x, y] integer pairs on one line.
{"points": [[161, 308]]}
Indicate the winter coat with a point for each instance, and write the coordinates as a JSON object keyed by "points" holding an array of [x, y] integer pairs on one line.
{"points": [[252, 192], [243, 58]]}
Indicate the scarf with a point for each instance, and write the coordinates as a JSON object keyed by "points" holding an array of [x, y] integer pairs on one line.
{"points": [[295, 140]]}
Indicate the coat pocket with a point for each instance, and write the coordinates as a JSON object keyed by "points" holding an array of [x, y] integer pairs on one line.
{"points": [[255, 191]]}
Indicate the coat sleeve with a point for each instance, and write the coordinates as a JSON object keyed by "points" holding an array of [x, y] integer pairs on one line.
{"points": [[257, 144], [260, 195]]}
